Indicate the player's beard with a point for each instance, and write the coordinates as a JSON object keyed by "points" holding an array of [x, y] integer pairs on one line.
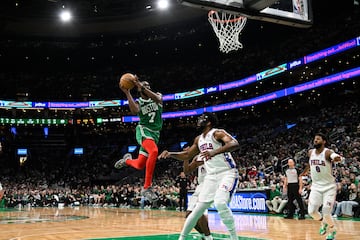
{"points": [[201, 125], [318, 145]]}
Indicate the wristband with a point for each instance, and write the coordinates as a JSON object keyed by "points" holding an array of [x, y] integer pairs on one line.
{"points": [[334, 155]]}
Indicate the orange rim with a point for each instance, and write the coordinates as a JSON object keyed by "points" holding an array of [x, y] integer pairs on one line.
{"points": [[211, 13]]}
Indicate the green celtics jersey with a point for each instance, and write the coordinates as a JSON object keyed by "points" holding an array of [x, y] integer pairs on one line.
{"points": [[150, 114]]}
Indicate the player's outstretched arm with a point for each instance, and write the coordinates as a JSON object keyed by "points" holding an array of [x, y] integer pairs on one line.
{"points": [[183, 155], [190, 167], [332, 156]]}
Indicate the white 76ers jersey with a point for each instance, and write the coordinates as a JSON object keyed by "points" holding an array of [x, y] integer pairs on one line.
{"points": [[320, 169], [219, 162]]}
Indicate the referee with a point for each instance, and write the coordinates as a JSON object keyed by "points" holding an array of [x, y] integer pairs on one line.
{"points": [[182, 183], [293, 186]]}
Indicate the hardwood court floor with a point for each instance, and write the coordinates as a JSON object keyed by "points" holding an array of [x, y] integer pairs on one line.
{"points": [[134, 224]]}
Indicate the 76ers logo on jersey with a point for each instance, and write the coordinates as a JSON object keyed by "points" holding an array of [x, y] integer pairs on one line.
{"points": [[206, 146], [317, 162]]}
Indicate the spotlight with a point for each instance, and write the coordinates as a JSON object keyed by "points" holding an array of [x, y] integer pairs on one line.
{"points": [[65, 16], [163, 4]]}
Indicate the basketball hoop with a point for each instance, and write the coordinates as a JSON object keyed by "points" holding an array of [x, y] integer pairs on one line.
{"points": [[227, 28]]}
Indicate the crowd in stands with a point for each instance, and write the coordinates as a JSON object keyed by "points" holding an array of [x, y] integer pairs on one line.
{"points": [[92, 180]]}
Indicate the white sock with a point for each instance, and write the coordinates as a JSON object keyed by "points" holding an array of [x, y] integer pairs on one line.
{"points": [[191, 220]]}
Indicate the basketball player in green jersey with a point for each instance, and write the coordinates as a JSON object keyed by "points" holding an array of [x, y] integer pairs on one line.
{"points": [[149, 109]]}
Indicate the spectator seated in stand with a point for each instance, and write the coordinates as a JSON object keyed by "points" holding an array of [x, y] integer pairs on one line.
{"points": [[345, 208], [275, 204]]}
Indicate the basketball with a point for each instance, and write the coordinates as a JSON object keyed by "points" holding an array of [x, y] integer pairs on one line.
{"points": [[127, 81]]}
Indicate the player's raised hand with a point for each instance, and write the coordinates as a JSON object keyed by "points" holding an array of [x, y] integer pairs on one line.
{"points": [[125, 90], [164, 154], [136, 78], [136, 81]]}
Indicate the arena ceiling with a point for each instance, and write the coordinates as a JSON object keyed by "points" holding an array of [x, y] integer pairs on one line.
{"points": [[41, 17]]}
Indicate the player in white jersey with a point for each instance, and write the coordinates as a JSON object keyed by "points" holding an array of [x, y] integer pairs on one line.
{"points": [[214, 146], [202, 225], [323, 188]]}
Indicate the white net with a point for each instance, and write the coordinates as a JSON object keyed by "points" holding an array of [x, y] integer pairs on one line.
{"points": [[227, 28]]}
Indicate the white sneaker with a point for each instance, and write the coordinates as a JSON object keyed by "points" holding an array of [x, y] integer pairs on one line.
{"points": [[149, 194], [122, 162], [208, 237]]}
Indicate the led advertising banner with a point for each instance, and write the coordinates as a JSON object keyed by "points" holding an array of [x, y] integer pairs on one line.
{"points": [[169, 97], [247, 201], [14, 104], [271, 72], [295, 63], [34, 121], [68, 104], [238, 83], [40, 104], [105, 103], [331, 51], [263, 98], [211, 89], [190, 94]]}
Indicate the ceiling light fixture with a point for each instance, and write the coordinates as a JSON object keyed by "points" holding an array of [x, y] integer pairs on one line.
{"points": [[65, 16]]}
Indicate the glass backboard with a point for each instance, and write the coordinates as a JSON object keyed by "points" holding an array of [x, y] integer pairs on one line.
{"points": [[297, 13]]}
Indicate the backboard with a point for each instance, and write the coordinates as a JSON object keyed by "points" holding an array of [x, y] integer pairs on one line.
{"points": [[297, 13]]}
